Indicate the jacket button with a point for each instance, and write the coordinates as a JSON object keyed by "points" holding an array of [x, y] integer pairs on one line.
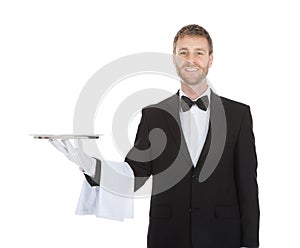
{"points": [[195, 177], [190, 210]]}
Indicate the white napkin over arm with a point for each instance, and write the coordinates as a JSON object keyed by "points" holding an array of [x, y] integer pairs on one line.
{"points": [[113, 198]]}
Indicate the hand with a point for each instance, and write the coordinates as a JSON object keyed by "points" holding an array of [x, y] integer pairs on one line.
{"points": [[86, 163]]}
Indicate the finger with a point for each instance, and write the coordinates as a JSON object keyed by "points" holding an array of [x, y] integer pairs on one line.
{"points": [[78, 144], [70, 148], [73, 152], [58, 146]]}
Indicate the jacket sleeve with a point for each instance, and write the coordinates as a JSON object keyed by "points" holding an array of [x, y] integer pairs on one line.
{"points": [[246, 181], [139, 157]]}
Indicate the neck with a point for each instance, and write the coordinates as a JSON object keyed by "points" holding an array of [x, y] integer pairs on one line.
{"points": [[194, 91]]}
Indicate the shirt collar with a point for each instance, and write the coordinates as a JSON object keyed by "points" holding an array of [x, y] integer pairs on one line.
{"points": [[207, 92]]}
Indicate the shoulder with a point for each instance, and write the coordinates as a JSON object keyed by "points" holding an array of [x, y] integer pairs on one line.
{"points": [[235, 111], [164, 105], [234, 106]]}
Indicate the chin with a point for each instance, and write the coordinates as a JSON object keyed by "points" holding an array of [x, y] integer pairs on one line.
{"points": [[194, 82]]}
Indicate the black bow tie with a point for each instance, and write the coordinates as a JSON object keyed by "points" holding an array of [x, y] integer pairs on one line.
{"points": [[187, 103]]}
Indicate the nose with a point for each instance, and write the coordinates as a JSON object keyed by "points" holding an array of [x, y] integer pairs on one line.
{"points": [[190, 58]]}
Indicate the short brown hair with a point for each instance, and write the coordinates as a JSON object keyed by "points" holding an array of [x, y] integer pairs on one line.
{"points": [[193, 30]]}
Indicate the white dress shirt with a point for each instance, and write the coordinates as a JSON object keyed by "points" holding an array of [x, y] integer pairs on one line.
{"points": [[195, 123]]}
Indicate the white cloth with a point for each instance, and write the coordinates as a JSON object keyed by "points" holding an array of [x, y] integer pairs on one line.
{"points": [[195, 123], [113, 199]]}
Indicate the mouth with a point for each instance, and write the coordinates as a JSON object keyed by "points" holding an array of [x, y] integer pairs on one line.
{"points": [[191, 69]]}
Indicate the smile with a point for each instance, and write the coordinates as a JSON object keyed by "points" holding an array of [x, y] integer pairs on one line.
{"points": [[191, 69]]}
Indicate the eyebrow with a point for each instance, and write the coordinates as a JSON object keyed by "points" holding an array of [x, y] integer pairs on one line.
{"points": [[185, 48]]}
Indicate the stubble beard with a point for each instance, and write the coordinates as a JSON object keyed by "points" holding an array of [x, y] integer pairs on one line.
{"points": [[201, 78]]}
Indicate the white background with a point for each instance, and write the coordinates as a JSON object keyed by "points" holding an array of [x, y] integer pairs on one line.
{"points": [[49, 49]]}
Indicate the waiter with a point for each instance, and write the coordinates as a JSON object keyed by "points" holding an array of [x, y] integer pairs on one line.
{"points": [[204, 187]]}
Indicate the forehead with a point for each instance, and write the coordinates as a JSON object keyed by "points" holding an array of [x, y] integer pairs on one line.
{"points": [[192, 42]]}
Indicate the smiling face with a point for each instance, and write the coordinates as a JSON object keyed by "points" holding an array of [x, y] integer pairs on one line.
{"points": [[192, 59]]}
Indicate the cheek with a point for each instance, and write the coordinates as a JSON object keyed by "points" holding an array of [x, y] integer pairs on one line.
{"points": [[203, 63], [199, 63], [180, 61]]}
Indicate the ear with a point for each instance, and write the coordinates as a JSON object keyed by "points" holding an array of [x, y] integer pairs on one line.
{"points": [[211, 58]]}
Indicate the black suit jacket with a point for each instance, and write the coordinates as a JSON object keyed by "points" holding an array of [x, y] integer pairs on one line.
{"points": [[216, 209], [212, 205]]}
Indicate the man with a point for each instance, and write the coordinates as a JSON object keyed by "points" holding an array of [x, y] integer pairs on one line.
{"points": [[204, 188]]}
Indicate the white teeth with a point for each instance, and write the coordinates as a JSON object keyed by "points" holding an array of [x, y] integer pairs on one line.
{"points": [[191, 69]]}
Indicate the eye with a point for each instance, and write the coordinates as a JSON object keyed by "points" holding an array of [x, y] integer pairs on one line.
{"points": [[182, 52], [200, 53]]}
